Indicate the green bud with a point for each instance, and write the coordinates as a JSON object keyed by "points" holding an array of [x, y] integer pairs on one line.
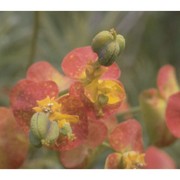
{"points": [[102, 99], [108, 45], [42, 130], [39, 124], [53, 133], [34, 140]]}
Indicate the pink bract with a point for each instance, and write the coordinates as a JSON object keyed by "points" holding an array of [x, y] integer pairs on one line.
{"points": [[13, 142], [173, 114], [127, 136], [43, 71], [158, 159], [23, 98]]}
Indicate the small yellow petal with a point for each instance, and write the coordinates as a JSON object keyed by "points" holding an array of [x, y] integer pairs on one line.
{"points": [[37, 109]]}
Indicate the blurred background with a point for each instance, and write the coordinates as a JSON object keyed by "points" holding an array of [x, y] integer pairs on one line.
{"points": [[152, 40]]}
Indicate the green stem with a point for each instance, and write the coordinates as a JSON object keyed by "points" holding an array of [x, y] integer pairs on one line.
{"points": [[106, 144], [133, 110], [63, 92], [34, 37]]}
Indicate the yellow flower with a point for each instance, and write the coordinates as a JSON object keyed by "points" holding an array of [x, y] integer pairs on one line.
{"points": [[47, 105], [112, 92], [133, 160]]}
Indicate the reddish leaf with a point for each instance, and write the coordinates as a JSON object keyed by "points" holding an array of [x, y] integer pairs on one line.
{"points": [[97, 133], [127, 136], [166, 81], [24, 96], [72, 105], [173, 114], [13, 142], [113, 161], [75, 158], [43, 71], [157, 159], [74, 63]]}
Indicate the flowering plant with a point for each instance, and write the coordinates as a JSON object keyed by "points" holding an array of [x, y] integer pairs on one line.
{"points": [[75, 114]]}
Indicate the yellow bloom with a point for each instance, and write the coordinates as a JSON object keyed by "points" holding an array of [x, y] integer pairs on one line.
{"points": [[110, 89], [47, 105], [133, 160]]}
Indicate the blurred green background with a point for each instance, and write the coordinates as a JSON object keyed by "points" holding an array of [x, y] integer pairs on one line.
{"points": [[152, 40]]}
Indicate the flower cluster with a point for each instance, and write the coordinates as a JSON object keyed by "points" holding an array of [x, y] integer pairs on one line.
{"points": [[75, 113]]}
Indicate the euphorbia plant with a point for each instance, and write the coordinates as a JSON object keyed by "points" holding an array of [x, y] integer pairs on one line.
{"points": [[75, 113]]}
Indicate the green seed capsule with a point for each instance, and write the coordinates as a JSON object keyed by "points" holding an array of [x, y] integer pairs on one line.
{"points": [[34, 140], [53, 133], [40, 124], [108, 45], [43, 131]]}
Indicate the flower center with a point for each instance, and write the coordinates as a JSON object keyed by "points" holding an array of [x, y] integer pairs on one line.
{"points": [[53, 109], [133, 160]]}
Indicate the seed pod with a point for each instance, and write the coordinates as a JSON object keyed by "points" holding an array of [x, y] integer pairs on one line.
{"points": [[34, 140], [108, 45], [43, 131], [39, 124], [52, 134]]}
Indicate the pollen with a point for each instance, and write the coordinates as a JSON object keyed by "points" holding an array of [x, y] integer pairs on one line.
{"points": [[47, 105]]}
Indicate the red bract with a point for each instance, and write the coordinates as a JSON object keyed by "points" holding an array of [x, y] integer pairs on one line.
{"points": [[80, 156], [43, 71], [75, 63], [158, 159], [13, 142], [73, 106], [127, 136], [23, 98], [126, 140], [173, 114]]}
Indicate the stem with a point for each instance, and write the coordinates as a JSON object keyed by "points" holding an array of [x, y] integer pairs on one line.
{"points": [[106, 144], [34, 37], [63, 92], [133, 110]]}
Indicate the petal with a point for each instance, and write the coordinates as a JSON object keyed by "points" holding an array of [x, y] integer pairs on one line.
{"points": [[43, 71], [13, 142], [166, 81], [24, 97], [153, 108], [75, 158], [114, 90], [75, 62], [127, 136], [97, 132], [173, 114], [113, 161], [112, 72], [158, 159], [110, 122], [73, 106]]}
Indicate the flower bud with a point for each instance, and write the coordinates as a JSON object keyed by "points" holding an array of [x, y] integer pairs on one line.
{"points": [[153, 108], [43, 131], [108, 45]]}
